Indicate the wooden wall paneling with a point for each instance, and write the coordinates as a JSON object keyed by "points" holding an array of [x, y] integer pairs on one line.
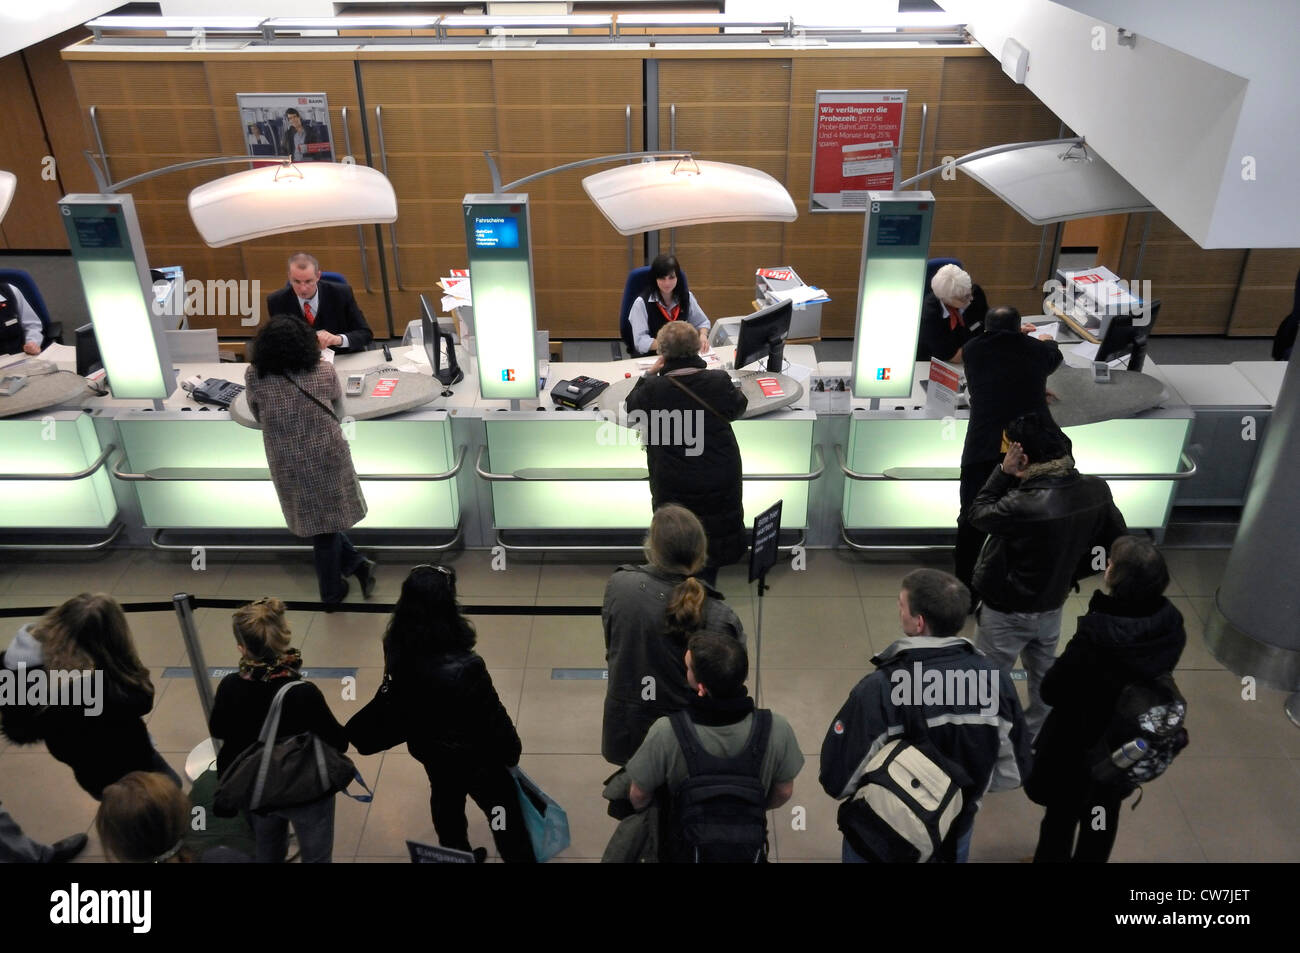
{"points": [[206, 264], [151, 115], [57, 97], [439, 118], [1267, 291], [1195, 286], [553, 111], [737, 111], [33, 218]]}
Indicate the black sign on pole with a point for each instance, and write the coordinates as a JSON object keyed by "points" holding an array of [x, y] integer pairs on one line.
{"points": [[767, 527], [428, 854]]}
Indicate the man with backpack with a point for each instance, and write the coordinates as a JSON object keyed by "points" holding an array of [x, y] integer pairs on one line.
{"points": [[936, 712], [1117, 717], [723, 763]]}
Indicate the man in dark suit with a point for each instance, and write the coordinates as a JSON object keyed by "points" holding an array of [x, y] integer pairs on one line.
{"points": [[329, 307], [1006, 372]]}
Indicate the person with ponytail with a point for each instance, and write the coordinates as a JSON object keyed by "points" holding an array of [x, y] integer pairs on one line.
{"points": [[97, 727], [243, 699], [650, 612]]}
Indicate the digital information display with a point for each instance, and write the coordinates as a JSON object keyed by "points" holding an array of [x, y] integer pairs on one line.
{"points": [[895, 244], [98, 232], [902, 231], [496, 232]]}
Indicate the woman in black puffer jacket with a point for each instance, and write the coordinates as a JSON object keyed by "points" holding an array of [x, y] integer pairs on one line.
{"points": [[442, 702]]}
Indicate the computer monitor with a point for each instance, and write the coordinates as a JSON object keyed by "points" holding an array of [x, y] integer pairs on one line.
{"points": [[88, 359], [763, 334], [451, 374], [1123, 336]]}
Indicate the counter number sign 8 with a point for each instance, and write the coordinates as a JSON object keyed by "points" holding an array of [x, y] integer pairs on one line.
{"points": [[875, 207]]}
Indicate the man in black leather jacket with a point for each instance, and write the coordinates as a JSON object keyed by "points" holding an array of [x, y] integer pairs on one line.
{"points": [[1006, 370], [1044, 520]]}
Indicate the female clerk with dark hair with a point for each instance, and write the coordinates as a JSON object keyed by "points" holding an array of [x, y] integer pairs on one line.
{"points": [[665, 298]]}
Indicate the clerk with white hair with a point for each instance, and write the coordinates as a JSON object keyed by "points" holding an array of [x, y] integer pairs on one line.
{"points": [[953, 311]]}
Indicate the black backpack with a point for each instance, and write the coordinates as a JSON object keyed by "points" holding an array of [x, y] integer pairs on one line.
{"points": [[719, 813], [1153, 712]]}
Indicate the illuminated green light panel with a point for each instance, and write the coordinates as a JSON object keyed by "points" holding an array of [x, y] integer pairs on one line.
{"points": [[408, 446], [1112, 446], [122, 321], [507, 357], [893, 287], [61, 442], [766, 446]]}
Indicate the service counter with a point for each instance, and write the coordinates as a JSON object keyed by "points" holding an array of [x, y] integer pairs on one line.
{"points": [[900, 462], [463, 470]]}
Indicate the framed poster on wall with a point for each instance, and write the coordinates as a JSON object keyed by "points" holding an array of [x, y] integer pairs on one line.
{"points": [[857, 143], [296, 125]]}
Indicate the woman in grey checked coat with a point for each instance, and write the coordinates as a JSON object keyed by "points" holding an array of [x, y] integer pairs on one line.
{"points": [[291, 393]]}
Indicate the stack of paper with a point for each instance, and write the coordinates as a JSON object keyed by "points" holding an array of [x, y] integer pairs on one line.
{"points": [[803, 294], [457, 289], [1101, 291]]}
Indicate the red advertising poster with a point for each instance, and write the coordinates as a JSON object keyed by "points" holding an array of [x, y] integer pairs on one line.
{"points": [[856, 138]]}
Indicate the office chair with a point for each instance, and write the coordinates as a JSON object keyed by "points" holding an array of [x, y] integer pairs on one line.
{"points": [[333, 276], [52, 330], [633, 288]]}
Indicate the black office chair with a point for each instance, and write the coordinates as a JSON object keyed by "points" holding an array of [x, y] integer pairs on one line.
{"points": [[51, 331]]}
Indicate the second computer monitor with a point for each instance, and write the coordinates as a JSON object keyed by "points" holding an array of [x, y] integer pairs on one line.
{"points": [[1123, 335], [763, 334], [88, 359]]}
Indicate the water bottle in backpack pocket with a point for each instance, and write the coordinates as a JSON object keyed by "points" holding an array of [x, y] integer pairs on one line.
{"points": [[1146, 733]]}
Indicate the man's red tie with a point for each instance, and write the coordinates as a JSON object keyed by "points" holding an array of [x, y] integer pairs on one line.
{"points": [[306, 313]]}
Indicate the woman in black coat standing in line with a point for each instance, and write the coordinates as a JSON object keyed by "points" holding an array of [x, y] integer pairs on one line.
{"points": [[1131, 633], [694, 460], [438, 697]]}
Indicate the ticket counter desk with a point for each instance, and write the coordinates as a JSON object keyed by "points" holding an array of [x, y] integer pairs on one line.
{"points": [[460, 470], [551, 471], [54, 471], [900, 464]]}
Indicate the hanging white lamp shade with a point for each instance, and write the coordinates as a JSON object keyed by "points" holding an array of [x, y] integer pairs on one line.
{"points": [[671, 193], [1051, 183], [8, 185], [276, 199]]}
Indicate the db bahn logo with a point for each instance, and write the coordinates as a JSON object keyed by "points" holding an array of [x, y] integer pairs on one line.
{"points": [[882, 373], [508, 374]]}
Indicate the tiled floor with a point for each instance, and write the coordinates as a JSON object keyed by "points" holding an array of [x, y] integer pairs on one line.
{"points": [[1231, 797]]}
